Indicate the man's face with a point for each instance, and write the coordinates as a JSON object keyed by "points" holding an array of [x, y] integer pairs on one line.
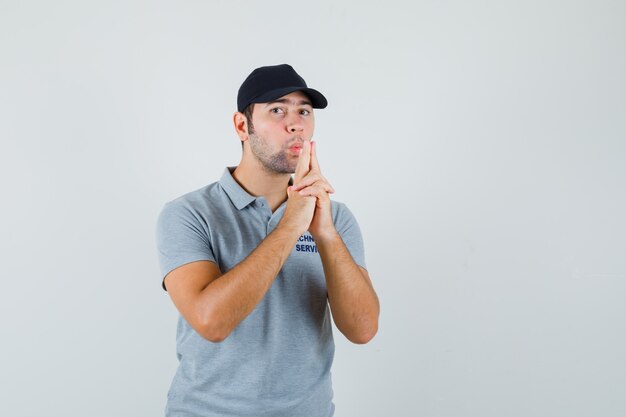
{"points": [[280, 127]]}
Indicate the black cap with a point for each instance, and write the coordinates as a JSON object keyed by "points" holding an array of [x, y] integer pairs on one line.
{"points": [[269, 83]]}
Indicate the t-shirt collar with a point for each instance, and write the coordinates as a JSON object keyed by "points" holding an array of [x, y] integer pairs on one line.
{"points": [[235, 192]]}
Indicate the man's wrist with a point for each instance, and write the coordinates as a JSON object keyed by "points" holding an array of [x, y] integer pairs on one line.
{"points": [[289, 229], [326, 238]]}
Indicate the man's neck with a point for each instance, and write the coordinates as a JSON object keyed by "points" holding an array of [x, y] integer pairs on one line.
{"points": [[257, 181]]}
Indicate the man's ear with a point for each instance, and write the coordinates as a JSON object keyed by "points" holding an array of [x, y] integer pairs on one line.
{"points": [[241, 125]]}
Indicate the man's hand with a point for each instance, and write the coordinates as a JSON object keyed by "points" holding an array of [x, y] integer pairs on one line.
{"points": [[300, 208], [309, 182]]}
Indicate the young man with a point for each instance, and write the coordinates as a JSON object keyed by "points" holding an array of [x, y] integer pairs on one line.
{"points": [[252, 263]]}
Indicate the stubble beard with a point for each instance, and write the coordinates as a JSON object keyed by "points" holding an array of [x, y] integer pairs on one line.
{"points": [[275, 163]]}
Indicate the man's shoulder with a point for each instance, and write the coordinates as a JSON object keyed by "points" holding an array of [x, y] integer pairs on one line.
{"points": [[197, 203], [196, 197]]}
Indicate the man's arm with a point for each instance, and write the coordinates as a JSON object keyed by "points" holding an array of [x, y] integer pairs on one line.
{"points": [[353, 301], [214, 304]]}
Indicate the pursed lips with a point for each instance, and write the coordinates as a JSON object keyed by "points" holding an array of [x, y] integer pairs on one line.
{"points": [[296, 146]]}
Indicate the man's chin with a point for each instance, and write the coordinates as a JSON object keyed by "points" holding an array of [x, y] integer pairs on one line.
{"points": [[284, 170]]}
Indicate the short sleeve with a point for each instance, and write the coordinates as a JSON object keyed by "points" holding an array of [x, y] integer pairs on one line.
{"points": [[350, 233], [181, 238]]}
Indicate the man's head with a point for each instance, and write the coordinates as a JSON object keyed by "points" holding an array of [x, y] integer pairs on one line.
{"points": [[275, 116]]}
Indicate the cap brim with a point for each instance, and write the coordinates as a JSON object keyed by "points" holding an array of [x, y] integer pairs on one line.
{"points": [[318, 101]]}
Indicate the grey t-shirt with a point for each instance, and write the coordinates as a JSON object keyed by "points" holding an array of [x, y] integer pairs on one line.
{"points": [[277, 361]]}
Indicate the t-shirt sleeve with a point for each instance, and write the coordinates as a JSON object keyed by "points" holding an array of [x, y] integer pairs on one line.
{"points": [[350, 233], [181, 238]]}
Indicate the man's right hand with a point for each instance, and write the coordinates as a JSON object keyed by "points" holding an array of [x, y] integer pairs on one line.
{"points": [[300, 209]]}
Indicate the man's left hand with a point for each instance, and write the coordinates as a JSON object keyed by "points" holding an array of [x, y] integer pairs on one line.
{"points": [[315, 184]]}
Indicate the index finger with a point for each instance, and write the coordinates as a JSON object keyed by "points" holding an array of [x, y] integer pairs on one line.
{"points": [[314, 164], [303, 161]]}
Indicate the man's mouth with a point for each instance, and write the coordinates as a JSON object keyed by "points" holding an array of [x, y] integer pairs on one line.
{"points": [[296, 147]]}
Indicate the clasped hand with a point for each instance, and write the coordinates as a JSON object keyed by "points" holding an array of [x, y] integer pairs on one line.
{"points": [[309, 199]]}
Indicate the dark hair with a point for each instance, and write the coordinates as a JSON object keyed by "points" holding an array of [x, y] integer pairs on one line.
{"points": [[248, 113]]}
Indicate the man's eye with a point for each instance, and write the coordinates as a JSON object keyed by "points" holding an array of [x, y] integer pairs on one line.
{"points": [[276, 110], [305, 112]]}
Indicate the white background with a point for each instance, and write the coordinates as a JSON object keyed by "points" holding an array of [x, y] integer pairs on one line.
{"points": [[480, 144]]}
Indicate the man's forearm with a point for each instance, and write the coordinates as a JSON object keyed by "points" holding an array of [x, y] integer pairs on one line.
{"points": [[352, 298], [230, 298]]}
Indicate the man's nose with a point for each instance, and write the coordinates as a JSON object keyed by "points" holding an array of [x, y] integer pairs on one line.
{"points": [[294, 124]]}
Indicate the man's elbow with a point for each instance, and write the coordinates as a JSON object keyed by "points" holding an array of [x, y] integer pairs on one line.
{"points": [[363, 337], [212, 330], [212, 336]]}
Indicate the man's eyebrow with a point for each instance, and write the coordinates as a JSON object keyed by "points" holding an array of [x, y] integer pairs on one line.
{"points": [[284, 100]]}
